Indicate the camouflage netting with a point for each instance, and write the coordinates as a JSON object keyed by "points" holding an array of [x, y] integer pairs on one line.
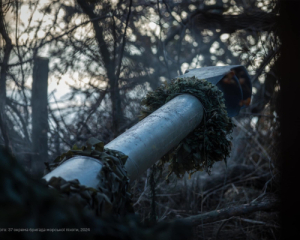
{"points": [[209, 142], [33, 210], [112, 193]]}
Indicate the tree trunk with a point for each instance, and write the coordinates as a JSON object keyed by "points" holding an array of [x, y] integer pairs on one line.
{"points": [[109, 64], [3, 75]]}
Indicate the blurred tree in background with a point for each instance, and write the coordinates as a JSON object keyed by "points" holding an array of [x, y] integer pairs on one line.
{"points": [[104, 56]]}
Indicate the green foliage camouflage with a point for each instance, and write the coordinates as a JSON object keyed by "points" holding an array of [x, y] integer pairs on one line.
{"points": [[209, 142], [28, 204], [112, 194]]}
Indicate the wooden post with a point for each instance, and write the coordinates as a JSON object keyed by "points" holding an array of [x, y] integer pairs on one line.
{"points": [[39, 103]]}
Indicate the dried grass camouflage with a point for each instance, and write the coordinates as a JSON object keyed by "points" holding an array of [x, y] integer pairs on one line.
{"points": [[209, 142], [112, 193]]}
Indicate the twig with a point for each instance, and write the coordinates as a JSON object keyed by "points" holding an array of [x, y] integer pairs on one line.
{"points": [[123, 42], [74, 28], [220, 228], [170, 12], [162, 43], [260, 115], [257, 143], [258, 222], [221, 195], [24, 126], [267, 60]]}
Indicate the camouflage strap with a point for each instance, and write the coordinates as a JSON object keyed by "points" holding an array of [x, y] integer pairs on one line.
{"points": [[112, 193], [36, 212], [209, 142]]}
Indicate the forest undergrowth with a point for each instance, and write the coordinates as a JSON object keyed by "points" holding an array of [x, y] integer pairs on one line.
{"points": [[251, 174]]}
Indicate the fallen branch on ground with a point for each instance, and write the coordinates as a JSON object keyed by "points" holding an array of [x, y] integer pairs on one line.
{"points": [[225, 213]]}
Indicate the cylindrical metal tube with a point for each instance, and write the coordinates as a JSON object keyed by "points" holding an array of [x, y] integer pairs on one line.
{"points": [[83, 168], [157, 134], [144, 143]]}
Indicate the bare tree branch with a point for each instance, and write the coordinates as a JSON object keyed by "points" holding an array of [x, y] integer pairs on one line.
{"points": [[17, 112], [225, 213], [117, 112], [256, 20], [123, 42]]}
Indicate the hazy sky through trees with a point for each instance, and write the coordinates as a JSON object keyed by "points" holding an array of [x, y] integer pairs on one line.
{"points": [[98, 75]]}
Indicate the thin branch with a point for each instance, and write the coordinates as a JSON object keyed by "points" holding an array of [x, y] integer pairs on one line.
{"points": [[123, 42], [160, 40], [257, 222], [266, 61], [24, 125], [257, 143], [94, 107], [170, 12], [257, 21]]}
